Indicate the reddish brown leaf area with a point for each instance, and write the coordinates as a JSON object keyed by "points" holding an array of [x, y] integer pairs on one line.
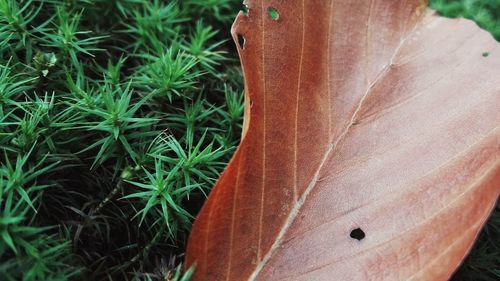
{"points": [[377, 115]]}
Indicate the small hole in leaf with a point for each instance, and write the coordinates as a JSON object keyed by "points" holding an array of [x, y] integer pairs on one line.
{"points": [[358, 234], [273, 13], [486, 54], [241, 41], [246, 10]]}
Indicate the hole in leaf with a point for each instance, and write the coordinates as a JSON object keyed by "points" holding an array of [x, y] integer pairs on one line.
{"points": [[486, 54], [246, 10], [241, 41], [273, 13], [358, 234]]}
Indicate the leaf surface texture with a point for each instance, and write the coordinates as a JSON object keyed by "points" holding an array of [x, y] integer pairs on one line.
{"points": [[378, 115]]}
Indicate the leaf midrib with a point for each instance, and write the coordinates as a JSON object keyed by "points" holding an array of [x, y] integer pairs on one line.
{"points": [[298, 204]]}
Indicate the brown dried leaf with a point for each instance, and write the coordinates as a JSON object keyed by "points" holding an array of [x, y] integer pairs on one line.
{"points": [[377, 115]]}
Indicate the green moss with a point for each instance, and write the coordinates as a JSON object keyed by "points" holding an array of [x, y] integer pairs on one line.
{"points": [[486, 13], [116, 118]]}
